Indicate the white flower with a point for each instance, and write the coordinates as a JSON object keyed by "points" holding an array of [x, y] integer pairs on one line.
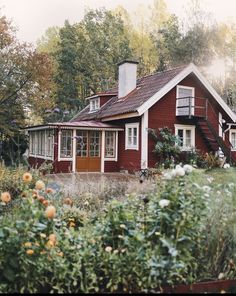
{"points": [[108, 249], [206, 188], [122, 226], [167, 176], [226, 166], [178, 166], [188, 168], [220, 276], [173, 173], [179, 171], [164, 203], [210, 179]]}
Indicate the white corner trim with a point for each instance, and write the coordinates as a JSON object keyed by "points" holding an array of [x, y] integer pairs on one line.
{"points": [[103, 152], [74, 151], [189, 69], [131, 125], [144, 137]]}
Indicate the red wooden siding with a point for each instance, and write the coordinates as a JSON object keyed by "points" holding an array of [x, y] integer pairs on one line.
{"points": [[111, 166]]}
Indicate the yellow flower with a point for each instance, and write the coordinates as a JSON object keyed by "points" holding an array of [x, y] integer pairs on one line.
{"points": [[5, 197], [43, 235], [61, 254], [50, 212], [30, 252], [122, 226], [72, 224], [37, 244], [27, 177], [28, 244], [39, 185], [52, 237]]}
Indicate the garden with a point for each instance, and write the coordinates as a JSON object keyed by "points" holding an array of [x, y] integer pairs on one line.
{"points": [[177, 227]]}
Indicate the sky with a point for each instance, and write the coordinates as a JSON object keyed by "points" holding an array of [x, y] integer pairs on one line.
{"points": [[33, 17]]}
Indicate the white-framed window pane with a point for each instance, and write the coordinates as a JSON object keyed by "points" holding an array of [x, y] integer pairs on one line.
{"points": [[49, 143], [181, 137], [110, 144], [131, 136], [66, 143], [233, 140], [188, 138]]}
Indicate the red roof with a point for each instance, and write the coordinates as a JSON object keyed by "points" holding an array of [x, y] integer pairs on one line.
{"points": [[146, 88]]}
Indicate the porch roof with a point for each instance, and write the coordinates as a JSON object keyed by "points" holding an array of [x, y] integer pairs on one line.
{"points": [[80, 125]]}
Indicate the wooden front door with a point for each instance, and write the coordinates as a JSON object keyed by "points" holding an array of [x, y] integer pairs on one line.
{"points": [[88, 151]]}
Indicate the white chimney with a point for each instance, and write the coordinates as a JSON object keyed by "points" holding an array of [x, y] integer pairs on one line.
{"points": [[127, 77]]}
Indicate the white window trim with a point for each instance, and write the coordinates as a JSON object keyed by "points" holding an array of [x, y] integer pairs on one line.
{"points": [[59, 148], [177, 96], [116, 150], [90, 105], [36, 141], [230, 138], [186, 127], [131, 125]]}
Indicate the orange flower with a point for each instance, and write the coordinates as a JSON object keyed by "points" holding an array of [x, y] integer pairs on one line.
{"points": [[68, 201], [72, 224], [41, 198], [53, 238], [45, 202], [49, 190], [50, 212], [27, 177], [30, 252], [39, 185], [5, 197]]}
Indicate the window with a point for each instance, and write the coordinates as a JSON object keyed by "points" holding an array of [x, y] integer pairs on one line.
{"points": [[232, 138], [184, 100], [49, 143], [186, 135], [110, 144], [82, 143], [94, 144], [94, 104], [66, 144], [131, 136]]}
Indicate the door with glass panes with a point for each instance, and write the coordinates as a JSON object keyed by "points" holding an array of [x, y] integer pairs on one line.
{"points": [[88, 151]]}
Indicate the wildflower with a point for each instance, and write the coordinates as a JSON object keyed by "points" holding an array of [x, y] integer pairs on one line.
{"points": [[120, 236], [61, 254], [108, 249], [37, 244], [43, 252], [188, 168], [43, 235], [123, 250], [210, 179], [72, 224], [24, 194], [52, 237], [226, 166], [68, 201], [167, 176], [221, 275], [116, 252], [28, 244], [39, 185], [41, 198], [45, 202], [179, 171], [27, 177], [50, 212], [122, 226], [49, 190], [86, 203], [5, 197], [164, 203], [206, 188], [30, 252]]}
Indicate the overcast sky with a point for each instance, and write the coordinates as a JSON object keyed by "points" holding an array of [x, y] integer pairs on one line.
{"points": [[33, 17]]}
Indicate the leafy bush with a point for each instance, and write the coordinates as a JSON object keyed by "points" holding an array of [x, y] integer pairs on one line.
{"points": [[165, 146]]}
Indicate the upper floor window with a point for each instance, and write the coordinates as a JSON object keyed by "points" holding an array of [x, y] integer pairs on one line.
{"points": [[186, 135], [94, 104], [132, 136], [184, 100]]}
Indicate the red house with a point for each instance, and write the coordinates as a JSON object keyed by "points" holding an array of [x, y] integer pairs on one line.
{"points": [[110, 134]]}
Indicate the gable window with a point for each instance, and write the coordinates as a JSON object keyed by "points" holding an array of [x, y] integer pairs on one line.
{"points": [[132, 136], [184, 100], [66, 144], [232, 138], [186, 135], [94, 104], [110, 144]]}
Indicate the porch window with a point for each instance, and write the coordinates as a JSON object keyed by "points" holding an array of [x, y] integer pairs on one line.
{"points": [[232, 138], [82, 143], [94, 104], [94, 147], [49, 143], [131, 136], [184, 100], [186, 135], [110, 144], [66, 144]]}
